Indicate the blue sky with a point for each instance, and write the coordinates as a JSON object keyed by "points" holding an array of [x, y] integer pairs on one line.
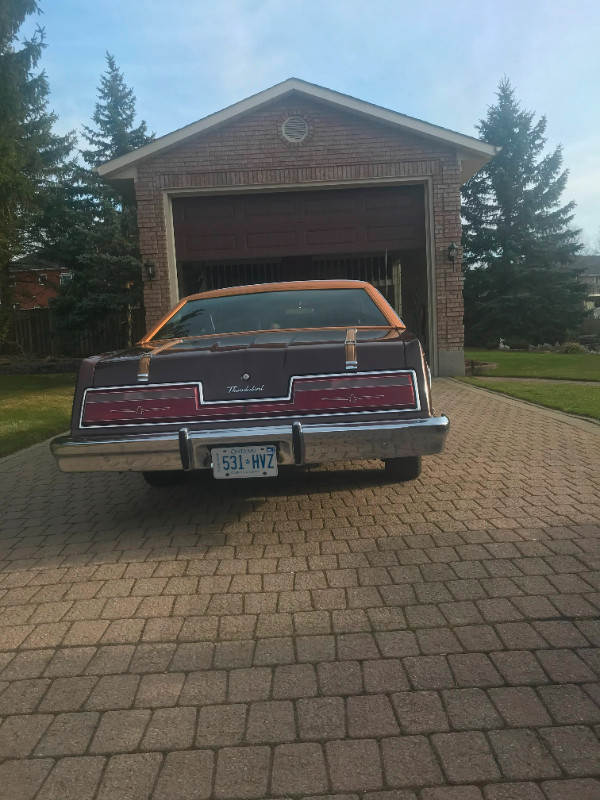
{"points": [[436, 60]]}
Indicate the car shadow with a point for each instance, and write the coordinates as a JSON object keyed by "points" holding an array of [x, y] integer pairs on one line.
{"points": [[296, 481], [130, 510]]}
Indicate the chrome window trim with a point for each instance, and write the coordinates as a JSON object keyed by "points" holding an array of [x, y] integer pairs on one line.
{"points": [[350, 345], [289, 396], [143, 375]]}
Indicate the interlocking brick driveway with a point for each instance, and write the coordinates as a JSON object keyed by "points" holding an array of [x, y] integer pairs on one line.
{"points": [[322, 634]]}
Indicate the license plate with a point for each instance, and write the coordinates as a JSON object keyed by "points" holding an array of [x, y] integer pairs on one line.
{"points": [[252, 461]]}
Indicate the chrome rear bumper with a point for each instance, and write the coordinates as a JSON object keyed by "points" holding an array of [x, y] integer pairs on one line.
{"points": [[297, 443]]}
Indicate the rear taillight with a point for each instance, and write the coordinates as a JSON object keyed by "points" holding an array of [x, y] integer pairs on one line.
{"points": [[352, 393], [116, 406], [334, 395]]}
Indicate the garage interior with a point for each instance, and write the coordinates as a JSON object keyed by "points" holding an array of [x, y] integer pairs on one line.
{"points": [[370, 234]]}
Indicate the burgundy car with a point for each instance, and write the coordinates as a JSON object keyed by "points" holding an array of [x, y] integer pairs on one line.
{"points": [[241, 381]]}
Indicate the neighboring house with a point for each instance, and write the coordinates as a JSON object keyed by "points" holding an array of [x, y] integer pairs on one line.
{"points": [[299, 182], [591, 277], [35, 281]]}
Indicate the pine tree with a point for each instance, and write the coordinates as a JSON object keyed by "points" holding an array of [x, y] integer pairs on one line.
{"points": [[114, 116], [102, 250], [33, 159], [517, 239]]}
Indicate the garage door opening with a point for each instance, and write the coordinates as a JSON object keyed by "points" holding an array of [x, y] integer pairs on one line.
{"points": [[400, 276], [375, 234]]}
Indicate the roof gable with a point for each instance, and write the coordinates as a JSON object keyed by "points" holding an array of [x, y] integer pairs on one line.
{"points": [[474, 153]]}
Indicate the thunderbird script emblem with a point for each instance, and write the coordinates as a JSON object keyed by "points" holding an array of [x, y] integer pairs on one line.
{"points": [[236, 389]]}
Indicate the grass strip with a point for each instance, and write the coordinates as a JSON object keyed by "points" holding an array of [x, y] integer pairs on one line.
{"points": [[557, 366], [33, 408], [581, 400]]}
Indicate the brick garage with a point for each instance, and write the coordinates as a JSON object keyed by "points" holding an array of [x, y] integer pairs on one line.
{"points": [[302, 182]]}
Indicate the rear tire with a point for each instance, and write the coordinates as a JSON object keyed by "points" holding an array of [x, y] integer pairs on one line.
{"points": [[163, 479], [403, 469]]}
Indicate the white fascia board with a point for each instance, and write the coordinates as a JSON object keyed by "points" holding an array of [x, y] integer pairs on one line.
{"points": [[117, 167], [194, 128], [416, 126]]}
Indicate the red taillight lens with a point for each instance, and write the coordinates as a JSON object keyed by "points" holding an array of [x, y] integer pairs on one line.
{"points": [[352, 393], [115, 406], [343, 394]]}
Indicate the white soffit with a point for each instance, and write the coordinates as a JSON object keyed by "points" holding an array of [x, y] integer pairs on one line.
{"points": [[474, 153]]}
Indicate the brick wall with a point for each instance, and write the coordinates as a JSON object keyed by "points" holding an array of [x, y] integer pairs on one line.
{"points": [[341, 146]]}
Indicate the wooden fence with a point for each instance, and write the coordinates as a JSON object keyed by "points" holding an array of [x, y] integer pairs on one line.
{"points": [[36, 332]]}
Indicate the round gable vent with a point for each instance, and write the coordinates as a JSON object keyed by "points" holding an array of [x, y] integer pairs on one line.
{"points": [[294, 129]]}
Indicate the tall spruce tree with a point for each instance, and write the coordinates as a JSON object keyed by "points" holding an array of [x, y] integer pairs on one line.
{"points": [[517, 237], [114, 116], [33, 159], [102, 249]]}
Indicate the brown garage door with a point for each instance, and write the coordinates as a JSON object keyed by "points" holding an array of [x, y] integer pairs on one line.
{"points": [[299, 223]]}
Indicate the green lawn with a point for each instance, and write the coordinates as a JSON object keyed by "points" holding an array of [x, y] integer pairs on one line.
{"points": [[537, 365], [581, 400], [33, 408]]}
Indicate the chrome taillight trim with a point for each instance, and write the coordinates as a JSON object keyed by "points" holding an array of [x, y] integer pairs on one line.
{"points": [[256, 400], [427, 380], [355, 381], [144, 394]]}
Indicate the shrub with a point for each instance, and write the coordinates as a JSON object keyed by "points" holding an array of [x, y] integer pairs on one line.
{"points": [[573, 348]]}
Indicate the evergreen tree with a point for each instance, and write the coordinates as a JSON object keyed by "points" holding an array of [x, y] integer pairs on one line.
{"points": [[102, 249], [517, 239], [114, 116], [33, 160]]}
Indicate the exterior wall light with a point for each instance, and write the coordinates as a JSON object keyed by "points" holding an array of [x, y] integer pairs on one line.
{"points": [[150, 270], [453, 252]]}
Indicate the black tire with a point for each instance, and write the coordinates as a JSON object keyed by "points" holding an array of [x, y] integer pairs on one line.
{"points": [[163, 479], [403, 469]]}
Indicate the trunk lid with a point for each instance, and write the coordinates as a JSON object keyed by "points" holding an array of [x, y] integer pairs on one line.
{"points": [[254, 365]]}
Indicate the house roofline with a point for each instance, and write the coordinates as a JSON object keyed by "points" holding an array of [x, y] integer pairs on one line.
{"points": [[471, 150]]}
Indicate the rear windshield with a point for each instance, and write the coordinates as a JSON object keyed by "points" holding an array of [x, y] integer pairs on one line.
{"points": [[260, 311]]}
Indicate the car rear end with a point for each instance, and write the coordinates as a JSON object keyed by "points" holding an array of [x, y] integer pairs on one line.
{"points": [[243, 404]]}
